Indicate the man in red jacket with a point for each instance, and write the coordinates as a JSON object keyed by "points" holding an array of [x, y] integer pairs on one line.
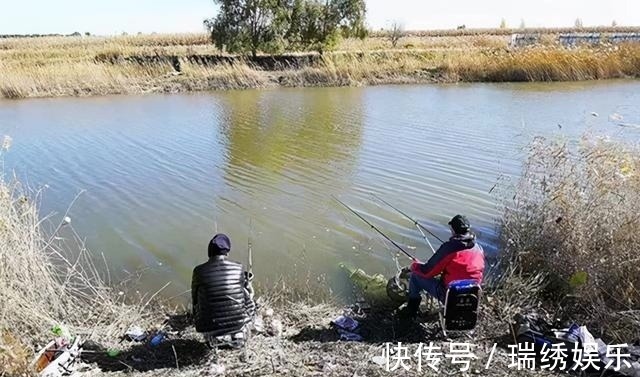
{"points": [[460, 258]]}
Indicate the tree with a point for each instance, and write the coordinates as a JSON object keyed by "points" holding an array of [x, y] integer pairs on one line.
{"points": [[396, 32], [244, 25], [578, 23], [503, 24], [614, 23], [324, 22], [522, 24], [271, 25]]}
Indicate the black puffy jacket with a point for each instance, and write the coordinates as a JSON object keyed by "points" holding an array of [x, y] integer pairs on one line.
{"points": [[221, 304]]}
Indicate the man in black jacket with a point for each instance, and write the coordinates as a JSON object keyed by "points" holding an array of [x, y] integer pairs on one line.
{"points": [[222, 296]]}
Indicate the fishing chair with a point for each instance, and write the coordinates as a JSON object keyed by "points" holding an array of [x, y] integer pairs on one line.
{"points": [[460, 309]]}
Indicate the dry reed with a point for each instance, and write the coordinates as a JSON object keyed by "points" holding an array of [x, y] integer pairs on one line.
{"points": [[545, 64], [575, 218], [80, 66], [50, 280]]}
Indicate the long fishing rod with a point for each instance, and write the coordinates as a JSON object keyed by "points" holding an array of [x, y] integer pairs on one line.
{"points": [[415, 222], [376, 229], [424, 236]]}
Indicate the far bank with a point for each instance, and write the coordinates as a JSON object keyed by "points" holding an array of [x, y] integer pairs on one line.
{"points": [[67, 66]]}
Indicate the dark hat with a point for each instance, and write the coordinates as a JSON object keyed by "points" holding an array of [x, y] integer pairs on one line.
{"points": [[460, 224], [219, 245]]}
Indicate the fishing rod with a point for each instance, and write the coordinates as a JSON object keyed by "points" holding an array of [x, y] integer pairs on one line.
{"points": [[415, 222], [424, 236], [377, 230]]}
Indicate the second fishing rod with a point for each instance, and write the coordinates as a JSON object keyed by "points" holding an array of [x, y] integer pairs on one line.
{"points": [[394, 243], [414, 221]]}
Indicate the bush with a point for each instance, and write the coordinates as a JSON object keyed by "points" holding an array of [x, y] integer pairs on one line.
{"points": [[48, 281], [575, 217]]}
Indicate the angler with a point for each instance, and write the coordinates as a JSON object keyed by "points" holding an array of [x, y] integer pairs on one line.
{"points": [[222, 297], [461, 258]]}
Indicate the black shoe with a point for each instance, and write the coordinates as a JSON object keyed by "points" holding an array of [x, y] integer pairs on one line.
{"points": [[410, 311]]}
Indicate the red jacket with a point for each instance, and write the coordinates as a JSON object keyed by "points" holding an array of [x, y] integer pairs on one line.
{"points": [[460, 258]]}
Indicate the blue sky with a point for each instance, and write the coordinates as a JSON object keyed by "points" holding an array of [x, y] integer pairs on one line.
{"points": [[132, 16]]}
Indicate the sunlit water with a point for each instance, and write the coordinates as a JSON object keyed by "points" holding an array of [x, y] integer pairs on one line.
{"points": [[160, 174]]}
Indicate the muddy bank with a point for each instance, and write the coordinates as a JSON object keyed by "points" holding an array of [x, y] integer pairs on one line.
{"points": [[307, 346], [261, 62]]}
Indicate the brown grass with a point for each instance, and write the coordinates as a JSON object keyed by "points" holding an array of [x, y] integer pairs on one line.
{"points": [[79, 66], [575, 219], [546, 64], [50, 280]]}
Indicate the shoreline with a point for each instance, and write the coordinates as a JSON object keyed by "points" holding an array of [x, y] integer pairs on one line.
{"points": [[78, 67]]}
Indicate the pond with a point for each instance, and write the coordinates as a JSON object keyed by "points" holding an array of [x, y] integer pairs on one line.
{"points": [[158, 175]]}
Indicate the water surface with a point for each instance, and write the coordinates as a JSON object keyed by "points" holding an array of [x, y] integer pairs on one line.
{"points": [[160, 174]]}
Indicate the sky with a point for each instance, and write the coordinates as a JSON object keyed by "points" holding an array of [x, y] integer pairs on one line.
{"points": [[108, 17]]}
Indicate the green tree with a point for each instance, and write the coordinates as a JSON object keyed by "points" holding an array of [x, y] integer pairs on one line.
{"points": [[245, 26], [503, 24], [322, 23]]}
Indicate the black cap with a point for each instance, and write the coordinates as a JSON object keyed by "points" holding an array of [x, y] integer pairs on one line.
{"points": [[460, 224], [219, 245]]}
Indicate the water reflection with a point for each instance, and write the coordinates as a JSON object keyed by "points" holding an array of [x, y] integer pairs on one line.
{"points": [[287, 153]]}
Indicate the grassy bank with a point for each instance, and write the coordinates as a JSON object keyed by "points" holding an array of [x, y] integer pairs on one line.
{"points": [[79, 66]]}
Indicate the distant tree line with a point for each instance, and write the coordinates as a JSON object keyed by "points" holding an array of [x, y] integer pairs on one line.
{"points": [[74, 34], [273, 26]]}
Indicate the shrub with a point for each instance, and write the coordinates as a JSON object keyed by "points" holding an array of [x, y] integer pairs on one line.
{"points": [[574, 216]]}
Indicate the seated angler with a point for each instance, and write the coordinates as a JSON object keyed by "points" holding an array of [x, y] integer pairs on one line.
{"points": [[460, 258], [222, 296]]}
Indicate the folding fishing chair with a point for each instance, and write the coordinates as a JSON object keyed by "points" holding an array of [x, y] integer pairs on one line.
{"points": [[460, 309]]}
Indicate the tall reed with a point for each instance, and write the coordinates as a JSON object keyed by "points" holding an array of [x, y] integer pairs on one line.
{"points": [[51, 279], [574, 217]]}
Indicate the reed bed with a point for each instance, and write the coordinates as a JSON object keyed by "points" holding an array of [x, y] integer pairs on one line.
{"points": [[545, 64], [80, 66], [51, 280], [574, 218]]}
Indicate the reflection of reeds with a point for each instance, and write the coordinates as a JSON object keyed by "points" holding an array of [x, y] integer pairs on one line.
{"points": [[59, 66], [575, 219], [47, 281]]}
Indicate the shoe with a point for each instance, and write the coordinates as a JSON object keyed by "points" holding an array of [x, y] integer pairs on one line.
{"points": [[410, 311]]}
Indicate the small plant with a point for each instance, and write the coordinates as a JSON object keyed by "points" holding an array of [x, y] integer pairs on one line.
{"points": [[396, 32]]}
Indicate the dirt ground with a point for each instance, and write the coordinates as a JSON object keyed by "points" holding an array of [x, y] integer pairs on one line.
{"points": [[309, 346]]}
